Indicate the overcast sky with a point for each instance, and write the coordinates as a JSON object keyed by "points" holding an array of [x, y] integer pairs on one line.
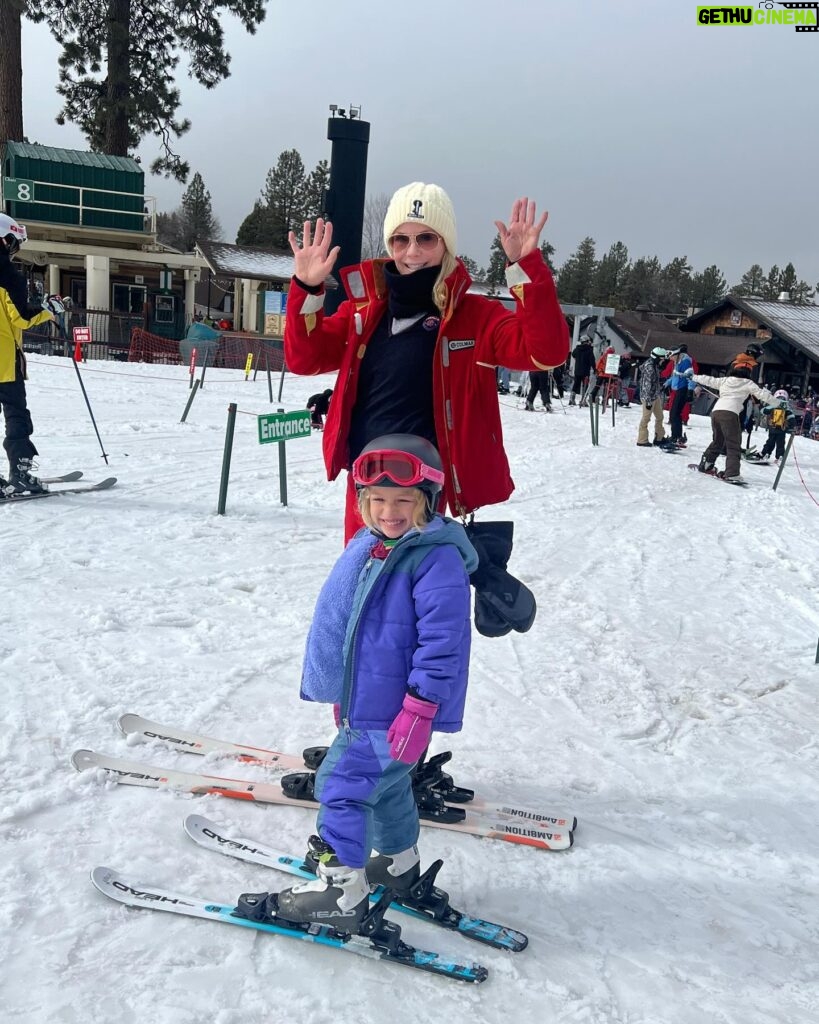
{"points": [[626, 120]]}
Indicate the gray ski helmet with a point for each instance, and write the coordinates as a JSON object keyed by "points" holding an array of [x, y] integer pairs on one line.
{"points": [[659, 353], [418, 448]]}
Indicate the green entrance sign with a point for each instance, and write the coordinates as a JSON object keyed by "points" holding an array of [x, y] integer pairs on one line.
{"points": [[283, 426]]}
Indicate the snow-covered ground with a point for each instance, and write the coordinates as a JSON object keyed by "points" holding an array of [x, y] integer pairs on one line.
{"points": [[667, 694]]}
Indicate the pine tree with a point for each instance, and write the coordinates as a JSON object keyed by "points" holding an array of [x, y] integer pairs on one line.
{"points": [[256, 229], [284, 197], [707, 288], [802, 294], [472, 268], [674, 286], [196, 214], [771, 286], [788, 280], [11, 71], [315, 191], [577, 273], [547, 250], [170, 231], [496, 271], [641, 287], [118, 62], [752, 282], [609, 276]]}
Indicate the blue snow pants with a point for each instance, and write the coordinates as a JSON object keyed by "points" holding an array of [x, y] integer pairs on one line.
{"points": [[366, 798]]}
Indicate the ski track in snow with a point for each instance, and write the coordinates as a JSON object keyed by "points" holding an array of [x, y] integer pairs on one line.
{"points": [[666, 694]]}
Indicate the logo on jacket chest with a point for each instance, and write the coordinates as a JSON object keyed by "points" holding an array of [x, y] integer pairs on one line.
{"points": [[455, 346]]}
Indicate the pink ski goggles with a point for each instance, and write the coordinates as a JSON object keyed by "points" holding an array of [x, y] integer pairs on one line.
{"points": [[400, 468]]}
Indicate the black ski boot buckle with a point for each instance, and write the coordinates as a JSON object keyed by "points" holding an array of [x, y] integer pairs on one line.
{"points": [[313, 756], [253, 906], [299, 786], [385, 935], [425, 896]]}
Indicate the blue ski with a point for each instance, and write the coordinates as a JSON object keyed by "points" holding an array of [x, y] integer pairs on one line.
{"points": [[434, 908], [115, 887]]}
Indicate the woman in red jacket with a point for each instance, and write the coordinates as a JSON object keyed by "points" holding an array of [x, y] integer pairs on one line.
{"points": [[415, 352]]}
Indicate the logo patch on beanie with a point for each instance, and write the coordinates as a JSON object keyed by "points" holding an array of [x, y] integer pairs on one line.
{"points": [[431, 323], [417, 211]]}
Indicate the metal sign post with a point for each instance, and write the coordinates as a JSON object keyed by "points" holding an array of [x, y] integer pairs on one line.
{"points": [[280, 427]]}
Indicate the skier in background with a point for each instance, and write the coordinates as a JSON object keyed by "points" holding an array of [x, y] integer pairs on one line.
{"points": [[16, 316], [389, 647], [583, 355], [319, 406], [539, 381], [682, 393], [781, 419]]}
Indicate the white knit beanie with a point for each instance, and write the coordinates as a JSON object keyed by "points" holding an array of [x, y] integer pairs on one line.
{"points": [[428, 206]]}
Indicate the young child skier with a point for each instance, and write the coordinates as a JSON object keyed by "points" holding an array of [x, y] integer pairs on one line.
{"points": [[725, 425], [781, 419], [389, 647]]}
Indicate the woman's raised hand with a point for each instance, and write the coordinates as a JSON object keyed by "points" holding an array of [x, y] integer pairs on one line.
{"points": [[523, 233], [314, 259]]}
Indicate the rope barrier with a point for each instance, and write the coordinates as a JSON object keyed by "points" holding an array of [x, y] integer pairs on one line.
{"points": [[801, 478], [135, 376]]}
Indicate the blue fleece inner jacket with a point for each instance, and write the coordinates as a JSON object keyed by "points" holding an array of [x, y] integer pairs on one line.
{"points": [[381, 626]]}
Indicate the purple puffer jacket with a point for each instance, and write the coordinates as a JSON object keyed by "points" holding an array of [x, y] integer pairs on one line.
{"points": [[408, 627]]}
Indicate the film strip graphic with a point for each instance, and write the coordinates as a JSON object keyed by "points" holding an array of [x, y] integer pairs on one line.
{"points": [[803, 7]]}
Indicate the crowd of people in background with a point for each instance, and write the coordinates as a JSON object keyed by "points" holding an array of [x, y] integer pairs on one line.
{"points": [[668, 381]]}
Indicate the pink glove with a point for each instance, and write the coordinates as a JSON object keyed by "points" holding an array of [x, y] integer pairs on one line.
{"points": [[409, 734], [337, 715]]}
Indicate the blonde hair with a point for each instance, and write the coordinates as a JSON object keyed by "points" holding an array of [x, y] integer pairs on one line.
{"points": [[440, 292], [420, 514]]}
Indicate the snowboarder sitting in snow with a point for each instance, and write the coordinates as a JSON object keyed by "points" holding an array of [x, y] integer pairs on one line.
{"points": [[389, 647], [781, 419], [725, 425], [319, 406]]}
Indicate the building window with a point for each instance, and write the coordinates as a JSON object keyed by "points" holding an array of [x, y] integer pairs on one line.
{"points": [[736, 332], [128, 298]]}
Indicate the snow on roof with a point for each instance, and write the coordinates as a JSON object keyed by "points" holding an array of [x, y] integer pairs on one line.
{"points": [[250, 262], [800, 324], [246, 261]]}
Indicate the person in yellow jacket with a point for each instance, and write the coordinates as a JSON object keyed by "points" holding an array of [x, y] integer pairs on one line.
{"points": [[16, 316]]}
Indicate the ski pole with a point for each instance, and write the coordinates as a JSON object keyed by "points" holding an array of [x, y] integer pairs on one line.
{"points": [[782, 461], [551, 379], [90, 413]]}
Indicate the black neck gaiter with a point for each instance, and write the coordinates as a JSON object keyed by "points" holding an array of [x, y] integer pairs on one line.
{"points": [[410, 294]]}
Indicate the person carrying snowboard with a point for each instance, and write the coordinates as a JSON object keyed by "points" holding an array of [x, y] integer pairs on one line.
{"points": [[389, 647]]}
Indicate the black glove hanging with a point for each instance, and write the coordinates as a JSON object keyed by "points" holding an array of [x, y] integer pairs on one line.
{"points": [[502, 603]]}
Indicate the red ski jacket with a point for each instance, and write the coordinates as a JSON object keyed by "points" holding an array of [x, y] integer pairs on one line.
{"points": [[476, 335]]}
